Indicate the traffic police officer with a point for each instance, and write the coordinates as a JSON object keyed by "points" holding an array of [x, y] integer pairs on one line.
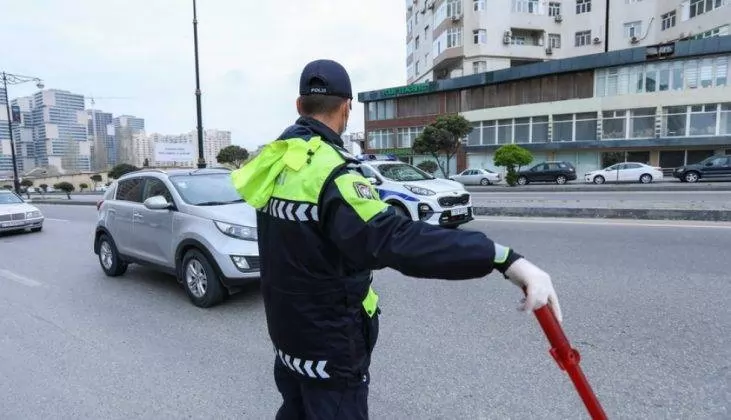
{"points": [[322, 228]]}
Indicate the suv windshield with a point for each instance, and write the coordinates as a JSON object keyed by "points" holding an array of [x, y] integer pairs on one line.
{"points": [[206, 189], [402, 172], [9, 198]]}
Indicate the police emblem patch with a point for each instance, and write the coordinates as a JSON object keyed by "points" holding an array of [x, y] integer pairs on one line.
{"points": [[363, 190]]}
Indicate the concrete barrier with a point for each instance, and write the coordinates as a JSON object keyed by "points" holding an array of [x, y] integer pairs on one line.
{"points": [[598, 213]]}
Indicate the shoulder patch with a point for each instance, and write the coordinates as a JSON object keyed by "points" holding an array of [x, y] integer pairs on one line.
{"points": [[363, 190]]}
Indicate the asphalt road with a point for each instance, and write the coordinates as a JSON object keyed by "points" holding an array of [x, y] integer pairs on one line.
{"points": [[646, 304]]}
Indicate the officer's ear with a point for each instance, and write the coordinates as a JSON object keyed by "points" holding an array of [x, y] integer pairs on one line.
{"points": [[298, 104]]}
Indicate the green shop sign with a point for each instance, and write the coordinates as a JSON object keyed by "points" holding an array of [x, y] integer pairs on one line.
{"points": [[408, 90]]}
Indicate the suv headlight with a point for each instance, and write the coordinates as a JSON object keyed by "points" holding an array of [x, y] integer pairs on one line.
{"points": [[246, 233], [419, 190]]}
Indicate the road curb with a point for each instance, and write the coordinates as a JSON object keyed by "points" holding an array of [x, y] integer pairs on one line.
{"points": [[604, 213], [597, 213], [599, 188]]}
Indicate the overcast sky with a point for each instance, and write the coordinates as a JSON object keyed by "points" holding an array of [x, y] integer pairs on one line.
{"points": [[251, 54]]}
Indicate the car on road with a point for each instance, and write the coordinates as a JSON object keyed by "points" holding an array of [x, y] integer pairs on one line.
{"points": [[417, 194], [559, 172], [625, 172], [476, 176], [17, 215], [189, 223], [716, 167]]}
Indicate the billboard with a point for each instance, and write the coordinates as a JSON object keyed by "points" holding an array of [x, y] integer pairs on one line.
{"points": [[174, 152]]}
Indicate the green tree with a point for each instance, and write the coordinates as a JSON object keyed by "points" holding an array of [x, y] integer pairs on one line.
{"points": [[27, 183], [44, 187], [510, 156], [66, 187], [96, 178], [123, 168], [443, 138], [429, 166], [232, 155], [146, 163], [83, 186]]}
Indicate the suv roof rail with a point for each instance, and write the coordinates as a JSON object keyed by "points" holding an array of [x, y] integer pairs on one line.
{"points": [[150, 170]]}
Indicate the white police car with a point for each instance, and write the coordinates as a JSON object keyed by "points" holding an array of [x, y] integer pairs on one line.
{"points": [[416, 194]]}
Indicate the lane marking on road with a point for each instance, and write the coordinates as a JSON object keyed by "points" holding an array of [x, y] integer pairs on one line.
{"points": [[665, 224], [57, 220], [9, 275]]}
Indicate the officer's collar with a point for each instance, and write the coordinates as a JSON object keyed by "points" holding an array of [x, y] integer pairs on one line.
{"points": [[324, 131]]}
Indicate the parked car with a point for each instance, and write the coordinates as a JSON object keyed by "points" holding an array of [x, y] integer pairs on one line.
{"points": [[625, 172], [418, 195], [17, 215], [559, 172], [476, 176], [189, 223], [714, 167]]}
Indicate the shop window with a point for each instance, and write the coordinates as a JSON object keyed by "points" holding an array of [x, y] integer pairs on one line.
{"points": [[610, 158], [522, 130], [505, 131], [586, 126], [539, 129], [703, 120], [488, 132], [563, 128], [473, 138], [672, 158], [674, 121], [638, 156], [695, 156]]}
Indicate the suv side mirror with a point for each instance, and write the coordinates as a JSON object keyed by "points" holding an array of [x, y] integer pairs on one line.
{"points": [[157, 202], [709, 163]]}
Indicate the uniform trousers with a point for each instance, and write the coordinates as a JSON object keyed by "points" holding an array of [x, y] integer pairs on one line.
{"points": [[306, 401]]}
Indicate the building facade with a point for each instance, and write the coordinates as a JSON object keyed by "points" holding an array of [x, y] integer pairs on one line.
{"points": [[213, 142], [101, 132], [454, 38], [665, 105], [59, 131], [126, 127], [22, 127]]}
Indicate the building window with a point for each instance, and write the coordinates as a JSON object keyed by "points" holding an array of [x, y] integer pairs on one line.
{"points": [[479, 67], [674, 121], [488, 132], [563, 128], [505, 131], [586, 126], [583, 6], [382, 110], [454, 8], [539, 129], [698, 7], [703, 120], [522, 130], [479, 36], [426, 32], [614, 125], [381, 139], [554, 40], [668, 20], [473, 138], [631, 1], [454, 37], [582, 38], [525, 6], [416, 68], [633, 29], [478, 5], [642, 123], [554, 8], [416, 43], [725, 118], [405, 136], [718, 31]]}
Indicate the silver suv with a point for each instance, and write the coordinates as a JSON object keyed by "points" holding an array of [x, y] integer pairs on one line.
{"points": [[190, 223]]}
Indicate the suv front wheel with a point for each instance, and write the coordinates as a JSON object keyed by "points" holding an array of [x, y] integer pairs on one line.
{"points": [[201, 280]]}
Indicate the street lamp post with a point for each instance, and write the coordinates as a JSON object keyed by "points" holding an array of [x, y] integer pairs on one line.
{"points": [[201, 159], [15, 79]]}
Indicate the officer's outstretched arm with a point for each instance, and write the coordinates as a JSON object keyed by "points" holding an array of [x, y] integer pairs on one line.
{"points": [[372, 235]]}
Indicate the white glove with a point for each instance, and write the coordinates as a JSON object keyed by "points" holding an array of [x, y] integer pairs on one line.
{"points": [[539, 289]]}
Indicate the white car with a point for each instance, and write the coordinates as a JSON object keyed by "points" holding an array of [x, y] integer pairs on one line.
{"points": [[625, 172], [476, 176], [418, 195], [16, 214]]}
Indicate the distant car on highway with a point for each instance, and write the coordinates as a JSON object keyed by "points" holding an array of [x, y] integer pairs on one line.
{"points": [[189, 223], [715, 167], [476, 176], [17, 215], [559, 172], [625, 172]]}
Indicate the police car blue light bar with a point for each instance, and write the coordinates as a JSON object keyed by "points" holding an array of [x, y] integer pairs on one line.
{"points": [[368, 156]]}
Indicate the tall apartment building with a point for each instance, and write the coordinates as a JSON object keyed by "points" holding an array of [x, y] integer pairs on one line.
{"points": [[453, 38], [213, 142], [126, 127], [100, 131], [59, 131]]}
